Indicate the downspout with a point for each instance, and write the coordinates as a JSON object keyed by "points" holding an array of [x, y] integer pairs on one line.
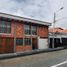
{"points": [[14, 37], [48, 38]]}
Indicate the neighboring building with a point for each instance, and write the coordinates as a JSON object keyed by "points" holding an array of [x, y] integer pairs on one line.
{"points": [[21, 34], [60, 37]]}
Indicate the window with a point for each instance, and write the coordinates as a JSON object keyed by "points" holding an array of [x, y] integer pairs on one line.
{"points": [[34, 30], [5, 26], [27, 41], [19, 41], [27, 29], [30, 30]]}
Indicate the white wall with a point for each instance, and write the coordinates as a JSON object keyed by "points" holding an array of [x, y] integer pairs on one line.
{"points": [[58, 35], [42, 43]]}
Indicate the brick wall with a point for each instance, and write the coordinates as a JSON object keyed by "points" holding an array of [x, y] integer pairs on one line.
{"points": [[42, 31], [23, 48], [19, 30]]}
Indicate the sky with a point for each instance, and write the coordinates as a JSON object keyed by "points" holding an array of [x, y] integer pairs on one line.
{"points": [[37, 9]]}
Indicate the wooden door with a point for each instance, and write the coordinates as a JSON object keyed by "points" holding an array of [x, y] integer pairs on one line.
{"points": [[2, 43], [9, 45], [34, 43]]}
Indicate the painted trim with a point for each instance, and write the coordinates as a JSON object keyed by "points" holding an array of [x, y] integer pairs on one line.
{"points": [[24, 19]]}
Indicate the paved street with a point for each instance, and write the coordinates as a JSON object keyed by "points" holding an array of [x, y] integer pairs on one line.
{"points": [[50, 59]]}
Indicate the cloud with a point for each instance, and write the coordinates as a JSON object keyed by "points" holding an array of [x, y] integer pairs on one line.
{"points": [[37, 9], [61, 15]]}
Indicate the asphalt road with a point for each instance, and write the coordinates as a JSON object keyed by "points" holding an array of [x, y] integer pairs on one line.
{"points": [[50, 59]]}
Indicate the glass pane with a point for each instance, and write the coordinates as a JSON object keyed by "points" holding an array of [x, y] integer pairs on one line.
{"points": [[27, 41], [19, 41], [5, 26], [34, 30], [27, 29], [27, 32]]}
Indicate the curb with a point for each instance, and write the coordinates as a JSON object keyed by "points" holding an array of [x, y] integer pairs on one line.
{"points": [[26, 53]]}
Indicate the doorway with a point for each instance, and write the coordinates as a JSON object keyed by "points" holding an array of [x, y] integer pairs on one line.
{"points": [[34, 43]]}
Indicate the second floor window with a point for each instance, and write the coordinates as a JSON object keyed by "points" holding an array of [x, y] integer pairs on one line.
{"points": [[34, 30], [5, 26], [30, 29], [27, 29]]}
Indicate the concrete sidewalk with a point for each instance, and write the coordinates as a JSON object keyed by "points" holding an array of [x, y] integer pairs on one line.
{"points": [[18, 54]]}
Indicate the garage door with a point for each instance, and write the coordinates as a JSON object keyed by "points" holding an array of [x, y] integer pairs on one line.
{"points": [[42, 43]]}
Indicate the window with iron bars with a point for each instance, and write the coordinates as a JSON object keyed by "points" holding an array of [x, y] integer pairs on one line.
{"points": [[5, 26]]}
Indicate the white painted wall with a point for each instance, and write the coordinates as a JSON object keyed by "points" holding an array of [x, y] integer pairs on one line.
{"points": [[42, 43], [58, 35]]}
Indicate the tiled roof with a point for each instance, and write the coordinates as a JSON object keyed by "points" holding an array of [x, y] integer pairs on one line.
{"points": [[58, 30]]}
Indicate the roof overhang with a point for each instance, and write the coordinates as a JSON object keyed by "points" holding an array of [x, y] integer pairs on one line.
{"points": [[24, 19]]}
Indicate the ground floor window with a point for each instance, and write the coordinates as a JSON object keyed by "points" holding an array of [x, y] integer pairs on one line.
{"points": [[19, 41], [27, 41]]}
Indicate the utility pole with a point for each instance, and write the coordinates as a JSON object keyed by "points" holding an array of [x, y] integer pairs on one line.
{"points": [[54, 21], [53, 30]]}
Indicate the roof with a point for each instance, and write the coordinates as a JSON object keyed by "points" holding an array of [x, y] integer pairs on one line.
{"points": [[24, 19], [58, 30]]}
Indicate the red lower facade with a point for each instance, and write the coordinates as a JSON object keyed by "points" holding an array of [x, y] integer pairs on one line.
{"points": [[17, 31]]}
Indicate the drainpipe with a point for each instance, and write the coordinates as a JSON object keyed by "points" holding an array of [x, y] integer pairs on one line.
{"points": [[48, 38], [14, 37]]}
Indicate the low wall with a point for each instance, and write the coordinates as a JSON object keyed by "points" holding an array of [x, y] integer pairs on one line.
{"points": [[23, 48]]}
